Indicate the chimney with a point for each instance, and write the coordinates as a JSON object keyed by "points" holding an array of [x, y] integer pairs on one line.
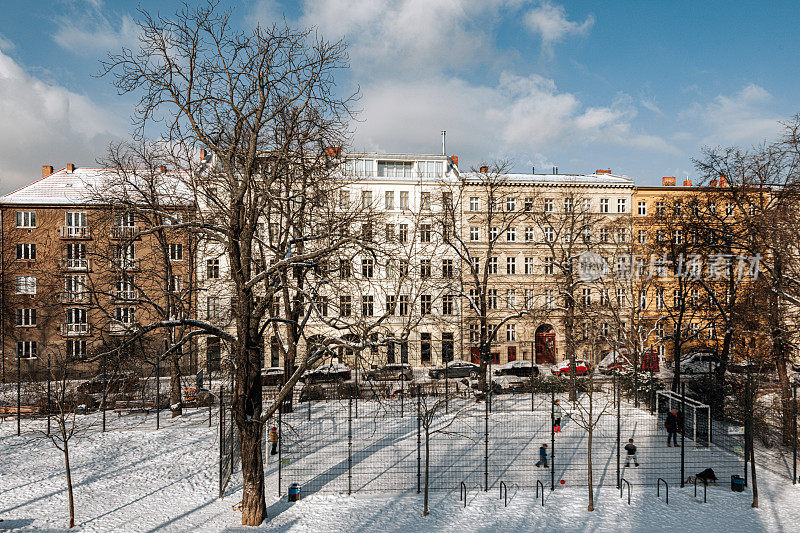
{"points": [[163, 169], [687, 183], [601, 171], [47, 170], [203, 153], [444, 136], [484, 169], [454, 160], [334, 151], [713, 183], [668, 181], [70, 167]]}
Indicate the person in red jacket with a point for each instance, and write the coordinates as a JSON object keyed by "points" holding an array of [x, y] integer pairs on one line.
{"points": [[273, 438]]}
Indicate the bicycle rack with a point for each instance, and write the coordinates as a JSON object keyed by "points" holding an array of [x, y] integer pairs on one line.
{"points": [[540, 484], [504, 486], [463, 493], [624, 482], [705, 489], [658, 488]]}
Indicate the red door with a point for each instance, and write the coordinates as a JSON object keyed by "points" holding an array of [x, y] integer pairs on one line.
{"points": [[545, 341], [476, 355]]}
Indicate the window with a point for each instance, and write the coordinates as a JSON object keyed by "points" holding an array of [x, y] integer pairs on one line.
{"points": [[604, 300], [660, 330], [27, 350], [474, 233], [391, 304], [447, 200], [586, 296], [344, 199], [476, 264], [622, 235], [643, 299], [447, 268], [511, 332], [728, 209], [511, 204], [367, 305], [26, 317], [529, 234], [425, 347], [402, 235], [345, 306], [678, 236], [529, 299], [404, 305], [25, 285], [474, 203], [511, 235], [425, 268], [125, 288], [511, 298], [176, 252], [212, 268], [404, 267], [659, 299], [622, 205], [75, 224], [389, 232], [511, 265], [548, 205], [76, 348], [125, 315], [642, 208], [549, 263], [322, 305], [426, 304], [448, 304], [586, 233], [366, 199], [212, 307], [659, 209], [528, 203], [529, 265], [394, 169], [621, 297], [493, 234], [76, 255], [568, 203], [388, 197], [26, 219], [367, 267], [642, 236], [125, 256], [491, 298], [549, 234], [121, 220], [474, 333], [26, 252], [603, 234], [344, 269], [425, 200], [660, 236], [75, 288], [175, 283], [492, 265], [604, 205], [425, 233], [549, 298], [448, 347], [403, 199]]}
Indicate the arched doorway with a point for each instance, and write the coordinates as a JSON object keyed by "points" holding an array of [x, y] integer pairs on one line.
{"points": [[545, 344]]}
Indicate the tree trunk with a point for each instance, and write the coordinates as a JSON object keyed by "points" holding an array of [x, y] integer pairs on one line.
{"points": [[753, 470], [427, 471], [175, 400], [589, 465], [69, 483], [247, 404]]}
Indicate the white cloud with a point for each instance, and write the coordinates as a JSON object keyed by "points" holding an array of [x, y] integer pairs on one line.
{"points": [[42, 123], [93, 30], [551, 23], [743, 117], [5, 44]]}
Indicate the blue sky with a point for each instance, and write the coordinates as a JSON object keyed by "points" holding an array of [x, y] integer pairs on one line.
{"points": [[638, 87]]}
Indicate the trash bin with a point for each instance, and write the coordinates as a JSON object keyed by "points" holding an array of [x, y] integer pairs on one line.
{"points": [[294, 492], [737, 484]]}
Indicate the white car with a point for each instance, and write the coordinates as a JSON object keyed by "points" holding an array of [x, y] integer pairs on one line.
{"points": [[699, 363]]}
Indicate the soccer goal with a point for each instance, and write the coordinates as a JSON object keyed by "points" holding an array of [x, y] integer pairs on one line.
{"points": [[696, 419]]}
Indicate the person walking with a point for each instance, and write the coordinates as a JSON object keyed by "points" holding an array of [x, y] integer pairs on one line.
{"points": [[631, 449], [671, 425], [273, 438], [542, 456], [557, 416]]}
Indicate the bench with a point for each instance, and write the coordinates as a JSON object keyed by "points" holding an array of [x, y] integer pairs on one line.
{"points": [[132, 406]]}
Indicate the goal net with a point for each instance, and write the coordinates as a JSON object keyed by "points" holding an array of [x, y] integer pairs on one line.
{"points": [[696, 416]]}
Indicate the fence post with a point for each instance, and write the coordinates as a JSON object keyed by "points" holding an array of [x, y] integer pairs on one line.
{"points": [[280, 446], [158, 389], [105, 391], [419, 441], [794, 434], [19, 393], [619, 428], [683, 433], [446, 390], [552, 438], [487, 403], [350, 445], [48, 397], [221, 435], [746, 425]]}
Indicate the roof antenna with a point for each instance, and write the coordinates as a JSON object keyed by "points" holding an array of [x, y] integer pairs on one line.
{"points": [[533, 170], [444, 134]]}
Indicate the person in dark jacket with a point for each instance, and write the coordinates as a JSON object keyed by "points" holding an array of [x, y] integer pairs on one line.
{"points": [[542, 456], [557, 416], [631, 449], [672, 425], [273, 438]]}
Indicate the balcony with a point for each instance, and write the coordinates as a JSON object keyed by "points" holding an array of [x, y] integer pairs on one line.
{"points": [[125, 264], [126, 295], [73, 265], [74, 329], [76, 232], [125, 233], [74, 297], [120, 328]]}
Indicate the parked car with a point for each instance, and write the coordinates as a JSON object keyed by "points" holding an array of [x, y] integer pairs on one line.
{"points": [[327, 373], [455, 369], [522, 369], [390, 372], [614, 360], [582, 368], [699, 363], [510, 383], [272, 376]]}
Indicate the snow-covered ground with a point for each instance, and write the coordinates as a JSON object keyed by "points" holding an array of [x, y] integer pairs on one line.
{"points": [[140, 479]]}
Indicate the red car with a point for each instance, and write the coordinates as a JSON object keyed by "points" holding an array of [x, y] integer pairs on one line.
{"points": [[581, 367]]}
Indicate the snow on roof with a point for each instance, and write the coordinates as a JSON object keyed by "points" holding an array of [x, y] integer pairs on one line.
{"points": [[83, 186], [563, 179]]}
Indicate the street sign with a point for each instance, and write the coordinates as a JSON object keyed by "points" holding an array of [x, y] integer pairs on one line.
{"points": [[735, 430]]}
